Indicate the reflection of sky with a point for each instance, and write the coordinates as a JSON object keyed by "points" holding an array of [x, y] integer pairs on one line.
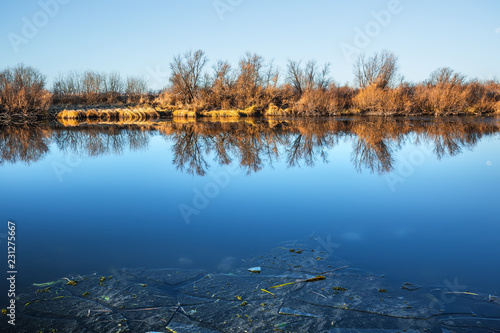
{"points": [[114, 211]]}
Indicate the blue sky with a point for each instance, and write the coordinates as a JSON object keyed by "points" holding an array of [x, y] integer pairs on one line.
{"points": [[141, 37]]}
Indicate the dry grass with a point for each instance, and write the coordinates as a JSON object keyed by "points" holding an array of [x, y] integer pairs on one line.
{"points": [[251, 111], [135, 114], [221, 113], [71, 114], [184, 113], [231, 113], [273, 110]]}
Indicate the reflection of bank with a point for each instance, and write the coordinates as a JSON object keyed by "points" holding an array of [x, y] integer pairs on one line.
{"points": [[24, 144], [251, 144]]}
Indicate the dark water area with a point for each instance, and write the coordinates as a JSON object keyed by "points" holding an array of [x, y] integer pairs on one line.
{"points": [[413, 199]]}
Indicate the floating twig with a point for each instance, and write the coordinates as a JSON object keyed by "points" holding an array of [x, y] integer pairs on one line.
{"points": [[335, 269], [318, 294], [264, 290], [316, 278], [461, 292]]}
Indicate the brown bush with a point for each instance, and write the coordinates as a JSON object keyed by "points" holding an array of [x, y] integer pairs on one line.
{"points": [[481, 98], [167, 100], [22, 91], [313, 102], [89, 88], [386, 101], [440, 99]]}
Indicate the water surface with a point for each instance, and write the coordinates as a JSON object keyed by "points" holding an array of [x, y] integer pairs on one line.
{"points": [[415, 200]]}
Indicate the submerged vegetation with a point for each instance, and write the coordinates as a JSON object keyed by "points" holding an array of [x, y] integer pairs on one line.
{"points": [[340, 299], [253, 88]]}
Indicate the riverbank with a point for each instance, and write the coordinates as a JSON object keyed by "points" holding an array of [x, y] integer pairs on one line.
{"points": [[247, 92], [149, 112], [93, 114]]}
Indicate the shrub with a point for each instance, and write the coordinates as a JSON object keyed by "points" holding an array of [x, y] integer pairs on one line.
{"points": [[381, 69], [374, 99], [22, 91], [137, 89], [88, 88]]}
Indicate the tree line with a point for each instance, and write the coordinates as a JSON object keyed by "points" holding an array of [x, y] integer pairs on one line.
{"points": [[302, 88]]}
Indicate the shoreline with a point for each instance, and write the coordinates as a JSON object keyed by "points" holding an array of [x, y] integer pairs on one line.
{"points": [[143, 112], [159, 112]]}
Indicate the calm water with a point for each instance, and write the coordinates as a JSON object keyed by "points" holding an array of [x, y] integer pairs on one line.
{"points": [[416, 200]]}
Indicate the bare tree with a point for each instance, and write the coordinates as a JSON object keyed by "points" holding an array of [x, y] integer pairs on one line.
{"points": [[206, 81], [295, 75], [186, 74], [380, 69], [223, 81], [114, 85], [272, 75], [136, 88], [446, 75], [223, 75], [250, 79], [310, 77], [22, 90], [310, 73], [250, 71], [323, 79], [93, 84], [68, 84]]}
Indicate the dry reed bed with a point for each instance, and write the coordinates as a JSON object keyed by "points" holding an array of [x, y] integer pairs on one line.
{"points": [[231, 113], [116, 114], [81, 122]]}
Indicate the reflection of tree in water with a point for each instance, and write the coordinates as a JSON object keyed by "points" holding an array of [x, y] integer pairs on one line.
{"points": [[23, 144], [250, 148], [189, 151], [100, 140], [451, 139], [375, 156], [254, 144], [308, 148], [375, 141], [223, 141]]}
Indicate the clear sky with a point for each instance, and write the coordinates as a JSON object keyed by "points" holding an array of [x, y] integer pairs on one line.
{"points": [[141, 37]]}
